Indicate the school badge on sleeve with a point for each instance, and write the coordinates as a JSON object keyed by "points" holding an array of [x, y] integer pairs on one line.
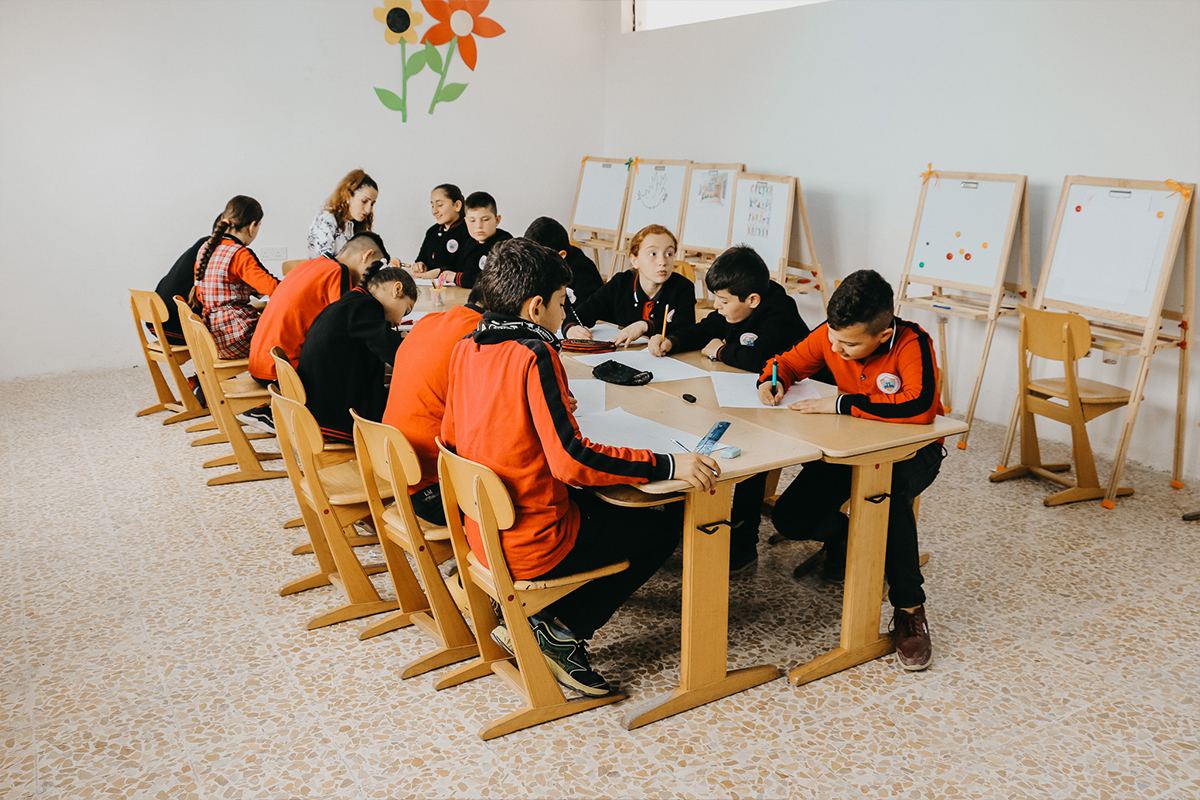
{"points": [[888, 383], [452, 246]]}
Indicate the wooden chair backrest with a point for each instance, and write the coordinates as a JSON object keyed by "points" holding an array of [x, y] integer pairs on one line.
{"points": [[289, 380], [685, 269], [303, 433], [149, 307], [287, 266], [458, 475], [1055, 335], [201, 343], [385, 452]]}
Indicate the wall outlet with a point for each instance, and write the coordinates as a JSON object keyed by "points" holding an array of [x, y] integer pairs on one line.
{"points": [[273, 254]]}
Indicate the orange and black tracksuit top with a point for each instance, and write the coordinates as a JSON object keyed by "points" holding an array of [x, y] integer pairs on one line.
{"points": [[896, 383], [417, 398], [507, 407], [300, 297]]}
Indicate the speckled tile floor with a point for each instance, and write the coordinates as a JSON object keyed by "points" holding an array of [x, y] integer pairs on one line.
{"points": [[146, 653]]}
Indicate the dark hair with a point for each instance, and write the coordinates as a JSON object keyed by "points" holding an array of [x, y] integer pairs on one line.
{"points": [[741, 271], [361, 241], [239, 212], [863, 297], [519, 269], [480, 200], [338, 203], [548, 232], [453, 192], [381, 272]]}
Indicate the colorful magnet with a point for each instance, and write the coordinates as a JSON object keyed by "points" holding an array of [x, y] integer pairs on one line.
{"points": [[1079, 208], [1160, 215], [961, 251], [949, 256], [958, 233], [921, 264], [967, 256], [985, 245]]}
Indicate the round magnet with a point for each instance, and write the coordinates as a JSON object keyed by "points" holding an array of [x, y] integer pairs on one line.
{"points": [[949, 256], [1160, 215], [967, 256], [1079, 208]]}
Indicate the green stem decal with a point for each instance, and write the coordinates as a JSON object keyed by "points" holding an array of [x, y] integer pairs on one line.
{"points": [[403, 83], [445, 68]]}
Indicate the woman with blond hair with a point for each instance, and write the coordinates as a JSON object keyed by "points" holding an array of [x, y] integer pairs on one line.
{"points": [[349, 210]]}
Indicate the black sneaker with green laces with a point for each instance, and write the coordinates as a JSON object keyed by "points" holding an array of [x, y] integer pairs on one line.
{"points": [[567, 657]]}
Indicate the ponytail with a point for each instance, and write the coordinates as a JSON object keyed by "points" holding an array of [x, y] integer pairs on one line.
{"points": [[380, 272]]}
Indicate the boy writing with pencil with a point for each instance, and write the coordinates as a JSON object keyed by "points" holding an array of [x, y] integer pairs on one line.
{"points": [[885, 370], [508, 408]]}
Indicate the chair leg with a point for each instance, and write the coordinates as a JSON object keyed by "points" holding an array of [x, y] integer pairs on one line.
{"points": [[529, 716], [445, 624]]}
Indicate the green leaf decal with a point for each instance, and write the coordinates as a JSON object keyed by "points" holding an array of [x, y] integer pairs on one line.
{"points": [[416, 63], [451, 91], [390, 99], [433, 57]]}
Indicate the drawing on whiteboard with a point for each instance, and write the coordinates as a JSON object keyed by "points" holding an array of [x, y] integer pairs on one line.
{"points": [[655, 194], [712, 190], [758, 222]]}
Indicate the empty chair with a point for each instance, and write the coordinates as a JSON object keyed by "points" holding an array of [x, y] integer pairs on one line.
{"points": [[149, 309], [1076, 401]]}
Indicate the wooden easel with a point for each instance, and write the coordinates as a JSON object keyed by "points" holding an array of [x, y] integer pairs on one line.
{"points": [[977, 212], [598, 211], [636, 215], [707, 216], [1133, 323]]}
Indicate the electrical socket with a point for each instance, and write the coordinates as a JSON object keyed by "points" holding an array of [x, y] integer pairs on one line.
{"points": [[273, 254]]}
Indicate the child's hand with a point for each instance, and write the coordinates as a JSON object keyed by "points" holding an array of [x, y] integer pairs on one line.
{"points": [[712, 348], [659, 345], [448, 277], [419, 268], [431, 274], [630, 333], [770, 396], [822, 405], [578, 332], [699, 471], [572, 403]]}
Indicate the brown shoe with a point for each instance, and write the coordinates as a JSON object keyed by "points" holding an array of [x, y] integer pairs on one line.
{"points": [[911, 632]]}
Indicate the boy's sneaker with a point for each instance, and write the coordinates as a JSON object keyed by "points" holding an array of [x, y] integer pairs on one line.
{"points": [[567, 657], [914, 649], [197, 390], [501, 637], [743, 565], [258, 419]]}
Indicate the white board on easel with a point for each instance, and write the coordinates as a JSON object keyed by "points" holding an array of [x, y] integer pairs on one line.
{"points": [[708, 209], [600, 196], [655, 197], [762, 217], [963, 239]]}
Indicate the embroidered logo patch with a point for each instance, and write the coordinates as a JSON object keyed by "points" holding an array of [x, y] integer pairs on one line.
{"points": [[888, 383], [747, 339], [482, 259], [452, 246]]}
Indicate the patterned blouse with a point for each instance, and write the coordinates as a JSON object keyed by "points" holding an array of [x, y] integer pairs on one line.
{"points": [[324, 238]]}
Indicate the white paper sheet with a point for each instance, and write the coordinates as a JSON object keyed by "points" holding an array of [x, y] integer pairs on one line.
{"points": [[664, 369], [619, 428], [413, 316], [739, 390], [424, 281], [604, 332], [589, 393]]}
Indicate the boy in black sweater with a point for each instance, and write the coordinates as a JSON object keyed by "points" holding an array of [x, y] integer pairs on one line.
{"points": [[483, 227], [585, 278], [755, 319]]}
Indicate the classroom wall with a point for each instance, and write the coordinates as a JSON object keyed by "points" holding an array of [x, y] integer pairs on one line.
{"points": [[856, 97], [125, 126]]}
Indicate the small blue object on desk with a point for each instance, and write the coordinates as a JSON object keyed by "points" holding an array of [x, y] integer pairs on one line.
{"points": [[731, 452]]}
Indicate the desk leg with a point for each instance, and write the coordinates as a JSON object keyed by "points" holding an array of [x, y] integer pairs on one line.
{"points": [[861, 640], [704, 656]]}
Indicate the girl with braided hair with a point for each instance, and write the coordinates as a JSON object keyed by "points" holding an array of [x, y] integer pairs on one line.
{"points": [[228, 275]]}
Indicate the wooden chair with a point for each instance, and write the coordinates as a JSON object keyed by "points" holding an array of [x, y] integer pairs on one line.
{"points": [[476, 491], [148, 308], [287, 266], [228, 394], [386, 457], [1075, 401], [332, 499]]}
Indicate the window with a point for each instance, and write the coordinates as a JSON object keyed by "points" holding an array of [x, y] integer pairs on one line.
{"points": [[644, 15]]}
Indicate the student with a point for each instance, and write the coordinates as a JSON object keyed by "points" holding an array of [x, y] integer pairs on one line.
{"points": [[447, 237], [228, 275], [508, 407], [755, 319], [642, 298], [350, 209], [483, 227], [885, 370], [349, 344], [585, 278], [179, 280], [417, 400], [302, 295]]}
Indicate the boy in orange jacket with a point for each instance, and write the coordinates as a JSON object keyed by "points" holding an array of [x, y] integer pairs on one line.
{"points": [[885, 370]]}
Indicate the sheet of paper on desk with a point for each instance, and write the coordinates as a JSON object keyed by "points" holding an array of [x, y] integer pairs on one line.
{"points": [[604, 332], [739, 390], [424, 281], [664, 369], [618, 428], [589, 393], [413, 316]]}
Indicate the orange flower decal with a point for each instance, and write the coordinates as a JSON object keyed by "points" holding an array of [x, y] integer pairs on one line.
{"points": [[461, 19]]}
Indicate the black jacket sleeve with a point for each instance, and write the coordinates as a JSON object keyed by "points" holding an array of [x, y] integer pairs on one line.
{"points": [[425, 255], [585, 278], [368, 324], [697, 336], [602, 304]]}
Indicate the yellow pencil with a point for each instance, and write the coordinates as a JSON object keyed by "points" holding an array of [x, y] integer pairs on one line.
{"points": [[666, 319]]}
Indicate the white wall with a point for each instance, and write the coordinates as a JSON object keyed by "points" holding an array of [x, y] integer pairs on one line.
{"points": [[856, 97], [126, 125]]}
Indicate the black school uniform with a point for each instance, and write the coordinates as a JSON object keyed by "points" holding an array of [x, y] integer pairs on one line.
{"points": [[622, 302], [342, 363], [443, 248], [179, 280], [585, 278], [474, 255], [772, 328]]}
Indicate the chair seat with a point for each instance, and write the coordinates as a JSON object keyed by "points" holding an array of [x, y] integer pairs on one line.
{"points": [[391, 516], [244, 387], [1089, 391], [554, 583], [343, 485]]}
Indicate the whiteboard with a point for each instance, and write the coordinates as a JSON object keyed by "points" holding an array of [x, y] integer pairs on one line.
{"points": [[1111, 247], [709, 211], [964, 231], [656, 197], [762, 216], [601, 195]]}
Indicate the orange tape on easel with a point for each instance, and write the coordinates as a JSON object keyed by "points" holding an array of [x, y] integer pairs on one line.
{"points": [[927, 174], [1183, 190], [633, 163], [585, 160]]}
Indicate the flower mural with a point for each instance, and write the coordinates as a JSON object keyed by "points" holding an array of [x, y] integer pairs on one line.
{"points": [[457, 23]]}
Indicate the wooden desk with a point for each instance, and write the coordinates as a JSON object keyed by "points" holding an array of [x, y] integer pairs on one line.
{"points": [[453, 296]]}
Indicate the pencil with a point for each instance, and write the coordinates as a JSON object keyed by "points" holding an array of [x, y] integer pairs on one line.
{"points": [[666, 319]]}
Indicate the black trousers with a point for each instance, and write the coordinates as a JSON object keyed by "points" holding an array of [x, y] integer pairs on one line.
{"points": [[811, 509], [609, 533]]}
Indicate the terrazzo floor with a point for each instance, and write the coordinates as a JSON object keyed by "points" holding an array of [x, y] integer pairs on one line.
{"points": [[146, 653]]}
